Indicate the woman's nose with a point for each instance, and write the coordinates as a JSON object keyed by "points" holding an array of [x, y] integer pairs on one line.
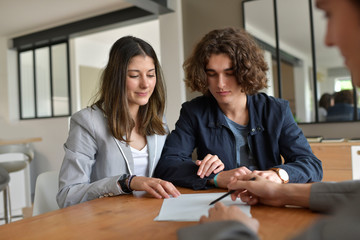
{"points": [[144, 82]]}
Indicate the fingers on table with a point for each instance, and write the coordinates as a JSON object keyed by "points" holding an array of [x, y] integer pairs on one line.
{"points": [[162, 189]]}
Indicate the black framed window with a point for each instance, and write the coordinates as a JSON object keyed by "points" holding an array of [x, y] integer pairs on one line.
{"points": [[43, 58], [44, 81]]}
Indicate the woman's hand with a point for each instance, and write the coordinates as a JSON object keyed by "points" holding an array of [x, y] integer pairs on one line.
{"points": [[154, 186], [210, 164], [222, 213]]}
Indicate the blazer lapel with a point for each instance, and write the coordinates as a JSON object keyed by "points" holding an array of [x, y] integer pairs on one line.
{"points": [[125, 151]]}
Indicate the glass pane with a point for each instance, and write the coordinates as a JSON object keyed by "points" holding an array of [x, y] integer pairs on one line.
{"points": [[332, 76], [27, 84], [60, 80], [262, 27], [43, 94], [296, 57]]}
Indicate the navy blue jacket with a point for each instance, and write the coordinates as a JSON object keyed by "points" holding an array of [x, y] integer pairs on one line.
{"points": [[272, 133]]}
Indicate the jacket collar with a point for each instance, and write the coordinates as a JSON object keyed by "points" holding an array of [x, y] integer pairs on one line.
{"points": [[216, 116], [217, 119]]}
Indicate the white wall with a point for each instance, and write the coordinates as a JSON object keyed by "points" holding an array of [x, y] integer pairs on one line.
{"points": [[92, 50], [54, 131], [164, 35], [172, 58]]}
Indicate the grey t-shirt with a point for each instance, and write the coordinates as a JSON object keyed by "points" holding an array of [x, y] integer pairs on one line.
{"points": [[243, 154]]}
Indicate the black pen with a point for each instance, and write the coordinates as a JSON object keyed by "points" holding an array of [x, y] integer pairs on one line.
{"points": [[228, 193]]}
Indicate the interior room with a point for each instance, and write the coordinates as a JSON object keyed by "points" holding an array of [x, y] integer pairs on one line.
{"points": [[172, 27]]}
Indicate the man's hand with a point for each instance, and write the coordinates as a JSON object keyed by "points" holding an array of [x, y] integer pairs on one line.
{"points": [[269, 175], [267, 192], [223, 179], [210, 164], [260, 190]]}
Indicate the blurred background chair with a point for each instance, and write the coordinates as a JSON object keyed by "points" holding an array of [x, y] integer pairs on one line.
{"points": [[4, 186], [46, 188], [16, 158]]}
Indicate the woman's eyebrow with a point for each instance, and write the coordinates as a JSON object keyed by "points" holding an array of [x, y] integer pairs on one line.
{"points": [[135, 70]]}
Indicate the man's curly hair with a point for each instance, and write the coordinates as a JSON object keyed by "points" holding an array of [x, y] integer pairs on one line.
{"points": [[246, 56]]}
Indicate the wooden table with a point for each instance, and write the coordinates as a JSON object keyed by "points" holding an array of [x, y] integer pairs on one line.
{"points": [[132, 217]]}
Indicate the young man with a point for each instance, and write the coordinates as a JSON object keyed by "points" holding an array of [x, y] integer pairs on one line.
{"points": [[233, 126], [343, 31]]}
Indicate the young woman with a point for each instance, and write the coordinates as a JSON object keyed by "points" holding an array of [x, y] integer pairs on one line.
{"points": [[233, 126], [114, 145]]}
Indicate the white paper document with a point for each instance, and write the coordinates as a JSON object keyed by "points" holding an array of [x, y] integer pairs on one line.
{"points": [[190, 207]]}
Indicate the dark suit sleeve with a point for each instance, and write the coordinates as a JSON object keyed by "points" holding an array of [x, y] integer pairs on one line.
{"points": [[326, 196], [344, 224], [229, 230]]}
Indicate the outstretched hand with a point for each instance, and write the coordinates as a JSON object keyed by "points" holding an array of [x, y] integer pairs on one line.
{"points": [[260, 190]]}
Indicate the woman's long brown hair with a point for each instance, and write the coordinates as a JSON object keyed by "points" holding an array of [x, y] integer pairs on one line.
{"points": [[112, 96]]}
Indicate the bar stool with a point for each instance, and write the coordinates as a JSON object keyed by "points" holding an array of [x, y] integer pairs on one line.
{"points": [[4, 186], [17, 163]]}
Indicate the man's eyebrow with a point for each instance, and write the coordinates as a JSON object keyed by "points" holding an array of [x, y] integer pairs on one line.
{"points": [[212, 70]]}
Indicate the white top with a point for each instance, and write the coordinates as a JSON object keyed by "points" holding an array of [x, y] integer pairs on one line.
{"points": [[141, 161]]}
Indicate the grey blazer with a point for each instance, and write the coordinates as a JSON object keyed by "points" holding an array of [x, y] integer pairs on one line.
{"points": [[94, 160], [341, 198]]}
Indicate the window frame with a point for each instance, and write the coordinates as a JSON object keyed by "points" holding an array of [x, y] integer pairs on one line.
{"points": [[33, 48]]}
